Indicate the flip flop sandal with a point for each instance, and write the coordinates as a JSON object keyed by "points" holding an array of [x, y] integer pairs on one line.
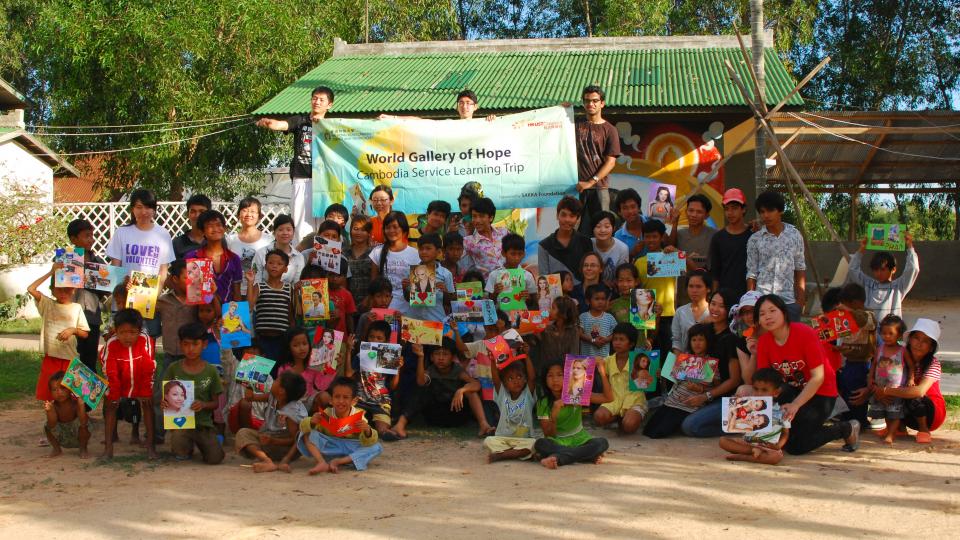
{"points": [[389, 436], [855, 433], [924, 438]]}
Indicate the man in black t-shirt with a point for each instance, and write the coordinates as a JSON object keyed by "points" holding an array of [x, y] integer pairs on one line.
{"points": [[728, 246], [598, 146], [301, 126]]}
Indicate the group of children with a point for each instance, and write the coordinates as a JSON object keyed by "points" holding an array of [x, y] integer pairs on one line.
{"points": [[341, 414]]}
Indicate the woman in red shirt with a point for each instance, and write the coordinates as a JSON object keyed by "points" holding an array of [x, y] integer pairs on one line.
{"points": [[924, 407], [794, 350]]}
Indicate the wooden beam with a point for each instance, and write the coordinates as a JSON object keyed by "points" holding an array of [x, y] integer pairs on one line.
{"points": [[783, 129], [814, 188], [828, 140], [860, 164], [870, 154]]}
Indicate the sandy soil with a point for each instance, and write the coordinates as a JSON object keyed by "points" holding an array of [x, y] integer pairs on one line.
{"points": [[442, 488]]}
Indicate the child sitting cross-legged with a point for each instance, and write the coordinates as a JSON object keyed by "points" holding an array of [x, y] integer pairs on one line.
{"points": [[353, 443], [628, 407], [513, 392], [565, 441], [207, 389], [66, 425], [277, 437], [766, 447], [373, 388], [441, 391]]}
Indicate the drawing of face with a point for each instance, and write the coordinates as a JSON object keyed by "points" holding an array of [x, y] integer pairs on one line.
{"points": [[421, 273], [578, 371], [643, 297], [193, 272], [542, 288], [327, 338], [643, 361], [663, 194], [232, 311], [175, 396]]}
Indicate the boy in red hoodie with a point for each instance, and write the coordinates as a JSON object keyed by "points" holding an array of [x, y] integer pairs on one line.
{"points": [[129, 363]]}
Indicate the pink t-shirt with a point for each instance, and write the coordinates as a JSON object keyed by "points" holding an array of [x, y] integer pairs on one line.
{"points": [[316, 381]]}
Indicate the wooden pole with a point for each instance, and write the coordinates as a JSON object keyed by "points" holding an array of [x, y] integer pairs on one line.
{"points": [[785, 161]]}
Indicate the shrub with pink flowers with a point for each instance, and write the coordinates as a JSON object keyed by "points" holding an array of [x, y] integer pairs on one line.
{"points": [[29, 231]]}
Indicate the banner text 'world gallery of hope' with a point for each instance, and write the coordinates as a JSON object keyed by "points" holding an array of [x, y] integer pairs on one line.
{"points": [[523, 160]]}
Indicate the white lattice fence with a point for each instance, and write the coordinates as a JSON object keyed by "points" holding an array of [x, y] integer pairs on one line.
{"points": [[106, 217]]}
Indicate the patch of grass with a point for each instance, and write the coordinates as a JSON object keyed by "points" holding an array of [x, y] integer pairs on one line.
{"points": [[953, 411], [21, 326], [127, 463], [949, 366], [463, 433], [18, 374]]}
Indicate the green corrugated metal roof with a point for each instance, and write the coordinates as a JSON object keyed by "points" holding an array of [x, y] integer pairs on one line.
{"points": [[684, 78]]}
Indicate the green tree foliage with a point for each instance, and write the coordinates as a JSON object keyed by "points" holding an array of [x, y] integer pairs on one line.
{"points": [[107, 62]]}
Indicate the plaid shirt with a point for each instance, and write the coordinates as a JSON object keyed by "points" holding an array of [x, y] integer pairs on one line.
{"points": [[773, 259]]}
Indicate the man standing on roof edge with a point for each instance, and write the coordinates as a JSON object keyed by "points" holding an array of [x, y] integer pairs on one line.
{"points": [[598, 146], [301, 166]]}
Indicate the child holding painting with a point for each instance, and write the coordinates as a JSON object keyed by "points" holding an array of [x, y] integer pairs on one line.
{"points": [[765, 447], [627, 407], [565, 441]]}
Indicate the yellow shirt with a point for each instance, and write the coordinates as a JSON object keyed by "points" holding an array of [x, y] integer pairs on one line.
{"points": [[623, 398], [666, 287]]}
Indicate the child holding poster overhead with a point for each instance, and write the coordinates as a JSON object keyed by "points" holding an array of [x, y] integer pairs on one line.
{"points": [[514, 388], [565, 441], [885, 293]]}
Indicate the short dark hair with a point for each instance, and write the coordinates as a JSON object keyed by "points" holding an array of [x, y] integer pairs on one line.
{"points": [[484, 205], [701, 329], [247, 202], [439, 206], [852, 292], [192, 330], [452, 238], [128, 316], [323, 90], [593, 89], [893, 320], [513, 241], [830, 299], [210, 215], [628, 194], [55, 378], [770, 200], [431, 239], [329, 225], [379, 326], [199, 199], [280, 253], [293, 385], [883, 259], [627, 330], [77, 226], [595, 289], [702, 199], [654, 226], [379, 285], [511, 367], [703, 275], [570, 204], [468, 94], [177, 267], [602, 215], [337, 208], [768, 375], [282, 219], [346, 382], [629, 268]]}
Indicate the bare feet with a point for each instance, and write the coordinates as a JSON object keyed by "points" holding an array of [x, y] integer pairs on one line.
{"points": [[740, 457], [888, 440], [486, 430], [336, 463], [319, 468], [54, 453], [550, 462], [285, 467], [400, 431], [264, 466], [152, 453], [599, 460], [84, 454], [136, 440]]}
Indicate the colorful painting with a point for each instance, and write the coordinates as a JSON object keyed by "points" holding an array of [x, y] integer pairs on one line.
{"points": [[253, 371], [84, 383], [71, 274], [578, 379], [834, 324], [474, 311], [142, 294], [661, 264], [643, 368], [529, 322], [642, 315], [423, 285], [752, 414], [380, 357], [422, 332], [235, 327], [199, 281], [392, 317], [340, 427], [513, 283], [663, 199], [314, 299], [470, 290], [691, 367], [886, 237], [548, 289], [178, 396], [103, 277], [329, 253], [326, 350]]}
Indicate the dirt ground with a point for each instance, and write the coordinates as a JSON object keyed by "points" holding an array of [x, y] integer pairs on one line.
{"points": [[442, 488]]}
